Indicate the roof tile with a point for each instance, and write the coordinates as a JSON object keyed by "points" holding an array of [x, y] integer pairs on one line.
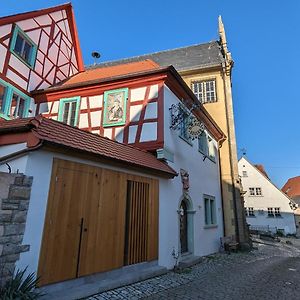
{"points": [[61, 134]]}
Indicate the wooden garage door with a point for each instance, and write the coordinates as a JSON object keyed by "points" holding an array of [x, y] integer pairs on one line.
{"points": [[84, 229]]}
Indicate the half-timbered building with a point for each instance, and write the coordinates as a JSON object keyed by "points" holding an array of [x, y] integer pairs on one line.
{"points": [[125, 163], [37, 49]]}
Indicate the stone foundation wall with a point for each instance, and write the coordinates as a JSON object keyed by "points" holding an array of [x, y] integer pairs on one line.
{"points": [[14, 201]]}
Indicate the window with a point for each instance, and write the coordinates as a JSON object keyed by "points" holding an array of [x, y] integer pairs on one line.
{"points": [[277, 212], [245, 174], [13, 103], [270, 212], [258, 191], [205, 91], [2, 98], [17, 106], [210, 210], [203, 146], [249, 212], [184, 126], [23, 47], [255, 191], [211, 149], [206, 146], [68, 110], [252, 191]]}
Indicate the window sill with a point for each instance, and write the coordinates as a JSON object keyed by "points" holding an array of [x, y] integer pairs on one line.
{"points": [[209, 102], [260, 196], [186, 140], [206, 156], [210, 226]]}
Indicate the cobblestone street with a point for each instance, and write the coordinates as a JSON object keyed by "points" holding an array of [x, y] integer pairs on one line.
{"points": [[270, 271]]}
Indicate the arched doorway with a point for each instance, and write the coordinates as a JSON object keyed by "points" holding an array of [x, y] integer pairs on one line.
{"points": [[186, 225]]}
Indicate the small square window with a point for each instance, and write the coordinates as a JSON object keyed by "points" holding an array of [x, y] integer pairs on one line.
{"points": [[252, 191], [258, 191], [245, 174]]}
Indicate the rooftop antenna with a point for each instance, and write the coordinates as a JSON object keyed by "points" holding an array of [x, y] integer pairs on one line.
{"points": [[96, 55]]}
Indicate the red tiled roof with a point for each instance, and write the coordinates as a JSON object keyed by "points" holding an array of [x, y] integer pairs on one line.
{"points": [[60, 134], [292, 187], [262, 170], [108, 72]]}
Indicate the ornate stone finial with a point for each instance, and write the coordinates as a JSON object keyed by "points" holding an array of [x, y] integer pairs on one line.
{"points": [[222, 34], [223, 41], [185, 179]]}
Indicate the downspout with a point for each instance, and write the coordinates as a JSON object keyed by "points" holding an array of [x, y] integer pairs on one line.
{"points": [[222, 195]]}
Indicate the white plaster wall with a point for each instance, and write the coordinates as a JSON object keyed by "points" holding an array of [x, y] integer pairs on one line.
{"points": [[204, 179], [17, 165], [138, 94], [271, 197], [39, 165]]}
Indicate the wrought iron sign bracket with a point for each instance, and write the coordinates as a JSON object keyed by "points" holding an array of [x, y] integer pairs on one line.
{"points": [[180, 113]]}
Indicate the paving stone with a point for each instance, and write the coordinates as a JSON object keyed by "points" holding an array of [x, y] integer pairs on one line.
{"points": [[242, 275]]}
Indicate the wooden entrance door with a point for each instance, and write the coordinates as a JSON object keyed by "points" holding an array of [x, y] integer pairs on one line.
{"points": [[183, 227], [84, 225]]}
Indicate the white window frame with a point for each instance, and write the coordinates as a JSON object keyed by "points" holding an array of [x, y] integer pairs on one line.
{"points": [[271, 212], [203, 92], [258, 191], [251, 191], [277, 212], [255, 191]]}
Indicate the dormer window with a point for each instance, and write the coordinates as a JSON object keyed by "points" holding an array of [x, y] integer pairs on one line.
{"points": [[23, 47]]}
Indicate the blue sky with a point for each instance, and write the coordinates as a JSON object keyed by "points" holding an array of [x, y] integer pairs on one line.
{"points": [[263, 37]]}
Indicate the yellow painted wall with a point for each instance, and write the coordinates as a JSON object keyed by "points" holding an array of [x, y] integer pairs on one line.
{"points": [[224, 118]]}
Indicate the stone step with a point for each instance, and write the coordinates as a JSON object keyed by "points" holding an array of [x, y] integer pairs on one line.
{"points": [[97, 283], [188, 261]]}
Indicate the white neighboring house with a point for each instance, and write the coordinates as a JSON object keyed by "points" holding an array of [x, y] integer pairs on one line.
{"points": [[265, 204]]}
